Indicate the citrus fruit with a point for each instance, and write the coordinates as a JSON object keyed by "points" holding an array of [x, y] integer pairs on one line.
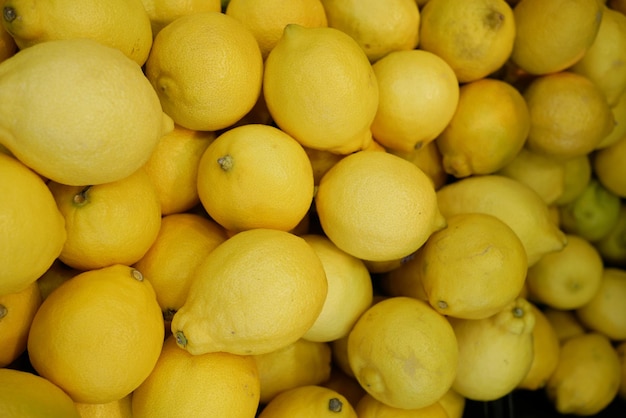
{"points": [[309, 401], [346, 385], [612, 246], [122, 408], [608, 168], [564, 322], [428, 158], [57, 274], [369, 407], [576, 177], [163, 12], [619, 129], [454, 403]]}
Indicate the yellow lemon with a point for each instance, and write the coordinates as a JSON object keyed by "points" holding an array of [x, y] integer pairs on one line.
{"points": [[258, 291], [349, 294], [418, 95], [25, 394], [173, 168], [206, 69], [8, 47], [577, 174], [346, 385], [511, 201], [495, 353], [120, 24], [321, 162], [619, 129], [255, 176], [569, 115], [87, 140], [477, 47], [587, 377], [98, 335], [163, 12], [309, 401], [487, 130], [379, 28], [429, 159], [339, 349], [564, 322], [207, 385], [267, 19], [403, 353], [454, 403], [566, 279], [110, 223], [553, 35], [609, 169], [330, 63], [33, 228], [298, 364], [182, 243], [474, 267], [17, 311], [378, 218], [122, 408], [369, 407]]}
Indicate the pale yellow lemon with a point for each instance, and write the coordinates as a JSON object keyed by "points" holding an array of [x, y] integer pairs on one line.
{"points": [[418, 95], [476, 48], [379, 28], [429, 159], [258, 291], [308, 401], [206, 69], [553, 35], [370, 407], [330, 63], [403, 353], [164, 12], [33, 228], [609, 169], [377, 218], [267, 19], [121, 408], [92, 327], [207, 385], [110, 223], [103, 93], [564, 322], [17, 311], [255, 176], [487, 130]]}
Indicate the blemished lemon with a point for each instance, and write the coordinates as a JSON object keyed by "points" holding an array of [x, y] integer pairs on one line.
{"points": [[454, 403], [121, 408], [267, 19], [34, 229], [330, 63], [182, 243], [476, 48], [553, 35], [17, 311], [98, 335], [609, 169], [564, 322], [87, 140], [511, 201], [163, 12], [298, 364], [379, 28], [25, 394], [309, 401], [418, 95], [605, 312], [173, 168], [206, 69], [429, 159], [577, 174], [587, 377], [566, 279], [473, 268], [258, 291], [619, 130], [569, 115], [495, 353], [370, 407], [255, 176], [377, 218], [120, 24], [349, 294], [403, 353], [546, 352], [207, 385], [487, 130], [8, 47], [110, 223]]}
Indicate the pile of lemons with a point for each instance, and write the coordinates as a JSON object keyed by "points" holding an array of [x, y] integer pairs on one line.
{"points": [[313, 208]]}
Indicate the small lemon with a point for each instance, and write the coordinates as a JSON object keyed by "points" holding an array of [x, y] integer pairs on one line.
{"points": [[564, 322], [122, 408], [619, 129], [609, 169], [163, 12], [612, 246], [577, 174], [429, 159]]}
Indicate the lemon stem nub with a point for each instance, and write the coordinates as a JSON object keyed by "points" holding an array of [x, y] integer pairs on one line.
{"points": [[225, 162], [518, 312], [442, 304], [136, 275], [335, 405], [9, 14], [80, 198], [181, 340]]}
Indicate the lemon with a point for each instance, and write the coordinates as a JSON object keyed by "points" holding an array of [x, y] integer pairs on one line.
{"points": [[619, 129], [206, 69], [34, 229], [577, 174], [346, 385], [454, 403], [120, 24], [309, 401], [255, 176], [406, 279], [163, 12], [612, 246], [511, 201], [477, 47], [122, 408], [87, 140], [369, 407], [379, 28], [98, 335], [418, 95], [608, 169], [495, 353], [17, 311], [429, 159], [258, 291], [553, 35], [564, 322], [207, 385], [25, 394], [403, 353], [330, 63], [57, 274]]}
